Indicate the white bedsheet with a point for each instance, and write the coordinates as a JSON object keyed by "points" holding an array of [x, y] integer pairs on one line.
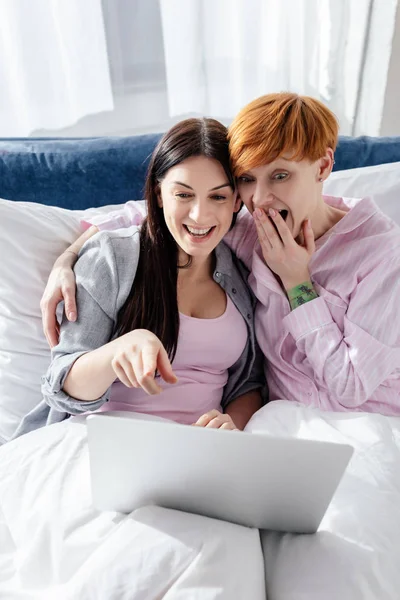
{"points": [[356, 553], [53, 544]]}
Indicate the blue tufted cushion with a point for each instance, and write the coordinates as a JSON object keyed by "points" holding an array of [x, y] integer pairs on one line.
{"points": [[365, 151], [75, 173], [79, 173]]}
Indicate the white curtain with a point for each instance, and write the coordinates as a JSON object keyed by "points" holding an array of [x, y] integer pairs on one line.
{"points": [[220, 54], [104, 67], [53, 64]]}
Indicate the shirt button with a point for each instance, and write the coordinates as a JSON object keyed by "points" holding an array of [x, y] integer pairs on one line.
{"points": [[249, 315], [217, 274], [233, 290]]}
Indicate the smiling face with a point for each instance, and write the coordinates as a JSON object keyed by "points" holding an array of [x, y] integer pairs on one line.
{"points": [[291, 187], [198, 204]]}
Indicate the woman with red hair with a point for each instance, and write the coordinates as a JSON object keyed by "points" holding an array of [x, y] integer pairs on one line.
{"points": [[325, 271]]}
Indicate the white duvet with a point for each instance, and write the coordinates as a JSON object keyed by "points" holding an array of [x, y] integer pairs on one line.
{"points": [[53, 544]]}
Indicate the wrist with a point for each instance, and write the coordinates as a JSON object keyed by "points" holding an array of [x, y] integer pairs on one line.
{"points": [[114, 348], [301, 294], [292, 282], [104, 357], [67, 259]]}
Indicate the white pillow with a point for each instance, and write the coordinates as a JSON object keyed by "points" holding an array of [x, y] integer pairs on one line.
{"points": [[381, 183], [32, 236]]}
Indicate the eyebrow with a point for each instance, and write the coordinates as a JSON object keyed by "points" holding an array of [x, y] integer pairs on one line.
{"points": [[218, 187]]}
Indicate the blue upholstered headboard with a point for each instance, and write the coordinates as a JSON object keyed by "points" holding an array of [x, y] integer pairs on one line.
{"points": [[80, 173]]}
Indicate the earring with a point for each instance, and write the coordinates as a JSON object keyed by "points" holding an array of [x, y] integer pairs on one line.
{"points": [[320, 179]]}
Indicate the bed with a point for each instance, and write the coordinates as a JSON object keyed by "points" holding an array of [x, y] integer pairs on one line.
{"points": [[53, 543]]}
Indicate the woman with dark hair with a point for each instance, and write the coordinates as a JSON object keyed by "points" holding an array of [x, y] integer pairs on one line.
{"points": [[165, 321]]}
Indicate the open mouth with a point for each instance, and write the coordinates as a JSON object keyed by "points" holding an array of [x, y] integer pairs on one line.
{"points": [[199, 233], [283, 213]]}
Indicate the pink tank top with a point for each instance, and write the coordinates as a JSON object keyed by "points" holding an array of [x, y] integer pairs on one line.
{"points": [[205, 351]]}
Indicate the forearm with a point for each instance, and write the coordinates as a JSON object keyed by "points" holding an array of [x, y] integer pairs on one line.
{"points": [[70, 255], [243, 408], [91, 374], [351, 364]]}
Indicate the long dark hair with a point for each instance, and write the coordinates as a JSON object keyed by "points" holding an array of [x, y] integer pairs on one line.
{"points": [[152, 302]]}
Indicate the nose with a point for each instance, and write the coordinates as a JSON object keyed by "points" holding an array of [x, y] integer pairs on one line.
{"points": [[262, 197], [200, 212]]}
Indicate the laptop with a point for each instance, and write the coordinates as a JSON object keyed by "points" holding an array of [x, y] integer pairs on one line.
{"points": [[251, 479]]}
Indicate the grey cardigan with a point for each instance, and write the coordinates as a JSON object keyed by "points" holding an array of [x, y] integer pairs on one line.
{"points": [[105, 273]]}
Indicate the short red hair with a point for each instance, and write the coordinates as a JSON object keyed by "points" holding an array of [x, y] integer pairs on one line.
{"points": [[278, 124]]}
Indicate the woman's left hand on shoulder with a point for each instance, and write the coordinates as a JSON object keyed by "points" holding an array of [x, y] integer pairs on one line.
{"points": [[214, 419], [282, 254]]}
